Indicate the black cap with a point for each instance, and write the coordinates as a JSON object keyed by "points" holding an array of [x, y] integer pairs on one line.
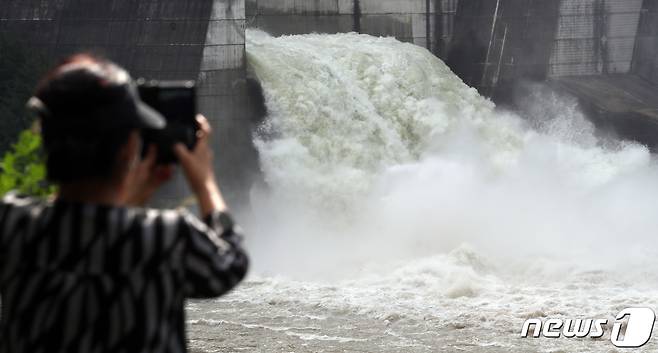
{"points": [[93, 95]]}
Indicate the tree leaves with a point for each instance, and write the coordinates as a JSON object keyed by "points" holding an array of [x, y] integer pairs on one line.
{"points": [[23, 168]]}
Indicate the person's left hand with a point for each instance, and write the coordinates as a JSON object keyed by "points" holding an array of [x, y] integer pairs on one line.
{"points": [[146, 178]]}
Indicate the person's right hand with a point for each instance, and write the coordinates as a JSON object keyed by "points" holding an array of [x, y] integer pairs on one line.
{"points": [[197, 166]]}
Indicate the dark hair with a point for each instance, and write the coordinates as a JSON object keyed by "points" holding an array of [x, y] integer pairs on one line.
{"points": [[77, 147]]}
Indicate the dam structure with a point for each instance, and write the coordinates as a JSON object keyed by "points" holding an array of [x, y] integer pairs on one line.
{"points": [[602, 51]]}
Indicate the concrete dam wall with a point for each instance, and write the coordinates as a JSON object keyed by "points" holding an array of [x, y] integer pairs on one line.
{"points": [[645, 58], [489, 42], [603, 51]]}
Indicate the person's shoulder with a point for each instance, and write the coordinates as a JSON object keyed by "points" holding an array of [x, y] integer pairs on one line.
{"points": [[182, 217], [15, 200], [186, 217], [158, 212], [15, 207], [170, 216]]}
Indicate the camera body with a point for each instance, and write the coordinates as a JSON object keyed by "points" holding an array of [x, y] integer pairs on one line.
{"points": [[176, 101]]}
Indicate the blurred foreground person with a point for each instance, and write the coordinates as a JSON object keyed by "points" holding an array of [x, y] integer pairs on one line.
{"points": [[92, 271]]}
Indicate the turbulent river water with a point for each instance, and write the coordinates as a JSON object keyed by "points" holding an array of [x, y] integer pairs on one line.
{"points": [[403, 212]]}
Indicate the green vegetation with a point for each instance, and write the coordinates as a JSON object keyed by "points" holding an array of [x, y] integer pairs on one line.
{"points": [[22, 166]]}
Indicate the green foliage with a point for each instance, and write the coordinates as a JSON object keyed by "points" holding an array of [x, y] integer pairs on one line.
{"points": [[23, 168]]}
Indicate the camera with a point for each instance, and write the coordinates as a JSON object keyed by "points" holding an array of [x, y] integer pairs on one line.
{"points": [[176, 101]]}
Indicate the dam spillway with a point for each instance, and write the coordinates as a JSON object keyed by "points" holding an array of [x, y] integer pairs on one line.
{"points": [[405, 213]]}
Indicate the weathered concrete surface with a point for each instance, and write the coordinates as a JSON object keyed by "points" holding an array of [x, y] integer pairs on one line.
{"points": [[645, 60], [502, 40], [159, 39], [599, 46], [162, 39], [595, 37], [585, 46], [223, 98], [615, 93], [624, 104]]}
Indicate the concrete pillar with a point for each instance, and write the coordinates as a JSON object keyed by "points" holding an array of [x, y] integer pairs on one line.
{"points": [[645, 59], [223, 98]]}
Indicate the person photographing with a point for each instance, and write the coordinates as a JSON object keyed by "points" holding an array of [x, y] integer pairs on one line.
{"points": [[92, 270]]}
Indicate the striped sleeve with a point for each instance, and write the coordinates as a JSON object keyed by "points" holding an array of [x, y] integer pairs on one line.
{"points": [[214, 261]]}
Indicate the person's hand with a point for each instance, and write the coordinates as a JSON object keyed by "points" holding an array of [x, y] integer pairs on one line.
{"points": [[198, 169], [146, 178]]}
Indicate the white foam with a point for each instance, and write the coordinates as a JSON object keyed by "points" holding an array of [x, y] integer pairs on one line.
{"points": [[396, 191]]}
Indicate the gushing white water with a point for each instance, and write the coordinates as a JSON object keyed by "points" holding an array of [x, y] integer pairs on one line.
{"points": [[417, 199], [382, 137]]}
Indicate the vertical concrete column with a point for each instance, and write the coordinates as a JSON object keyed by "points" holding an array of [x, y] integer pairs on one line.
{"points": [[222, 97], [444, 22], [645, 58]]}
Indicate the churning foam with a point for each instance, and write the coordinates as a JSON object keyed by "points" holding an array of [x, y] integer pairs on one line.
{"points": [[343, 109], [396, 193], [374, 150]]}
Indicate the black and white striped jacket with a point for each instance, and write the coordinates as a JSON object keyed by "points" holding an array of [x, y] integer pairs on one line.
{"points": [[92, 278]]}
